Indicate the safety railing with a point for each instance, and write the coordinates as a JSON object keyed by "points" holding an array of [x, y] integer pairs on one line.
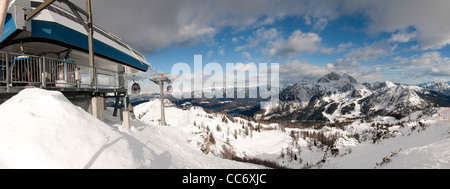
{"points": [[20, 70]]}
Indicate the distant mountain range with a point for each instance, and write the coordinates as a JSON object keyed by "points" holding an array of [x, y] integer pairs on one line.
{"points": [[441, 87], [332, 98], [336, 97]]}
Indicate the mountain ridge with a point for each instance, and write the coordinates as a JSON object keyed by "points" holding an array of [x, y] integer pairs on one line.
{"points": [[336, 97]]}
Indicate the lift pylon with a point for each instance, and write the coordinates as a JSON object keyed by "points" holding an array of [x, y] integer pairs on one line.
{"points": [[160, 79]]}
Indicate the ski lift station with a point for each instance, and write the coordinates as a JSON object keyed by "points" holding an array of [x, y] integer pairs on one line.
{"points": [[47, 46]]}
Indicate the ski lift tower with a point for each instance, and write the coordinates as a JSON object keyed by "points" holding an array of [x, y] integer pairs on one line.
{"points": [[160, 79]]}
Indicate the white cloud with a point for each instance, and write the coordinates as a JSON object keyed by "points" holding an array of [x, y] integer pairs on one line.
{"points": [[221, 51], [150, 25], [368, 53], [297, 43], [160, 23], [432, 58], [330, 66], [341, 48], [261, 37], [355, 56], [435, 70], [402, 37], [237, 39], [347, 62], [445, 72], [345, 46], [429, 18], [296, 71], [320, 24], [325, 50], [365, 75], [247, 55], [210, 53], [427, 64]]}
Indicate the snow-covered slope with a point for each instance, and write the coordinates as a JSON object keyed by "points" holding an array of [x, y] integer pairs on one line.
{"points": [[200, 128], [42, 129], [411, 142], [419, 144]]}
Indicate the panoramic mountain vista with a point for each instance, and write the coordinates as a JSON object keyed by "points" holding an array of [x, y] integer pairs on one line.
{"points": [[225, 84]]}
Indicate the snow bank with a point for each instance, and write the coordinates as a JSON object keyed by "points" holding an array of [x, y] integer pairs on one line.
{"points": [[42, 129]]}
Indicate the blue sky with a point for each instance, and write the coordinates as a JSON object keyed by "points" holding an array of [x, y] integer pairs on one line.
{"points": [[339, 40], [404, 41]]}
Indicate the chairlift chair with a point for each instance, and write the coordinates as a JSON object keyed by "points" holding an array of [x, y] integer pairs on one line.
{"points": [[24, 71], [64, 74], [135, 88]]}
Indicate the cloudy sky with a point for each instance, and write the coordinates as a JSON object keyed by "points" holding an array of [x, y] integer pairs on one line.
{"points": [[404, 41]]}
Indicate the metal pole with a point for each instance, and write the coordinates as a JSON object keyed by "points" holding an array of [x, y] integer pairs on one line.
{"points": [[125, 105], [163, 116], [8, 73], [44, 73], [116, 105], [91, 45]]}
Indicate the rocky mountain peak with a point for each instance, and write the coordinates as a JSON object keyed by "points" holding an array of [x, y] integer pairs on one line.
{"points": [[350, 78], [333, 76]]}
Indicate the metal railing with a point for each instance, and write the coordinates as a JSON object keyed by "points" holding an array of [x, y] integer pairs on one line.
{"points": [[19, 70]]}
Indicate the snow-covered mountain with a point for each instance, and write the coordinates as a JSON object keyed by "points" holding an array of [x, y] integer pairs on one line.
{"points": [[329, 84], [441, 87], [336, 97]]}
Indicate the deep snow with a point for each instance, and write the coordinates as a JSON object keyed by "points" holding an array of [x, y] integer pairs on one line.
{"points": [[42, 129]]}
